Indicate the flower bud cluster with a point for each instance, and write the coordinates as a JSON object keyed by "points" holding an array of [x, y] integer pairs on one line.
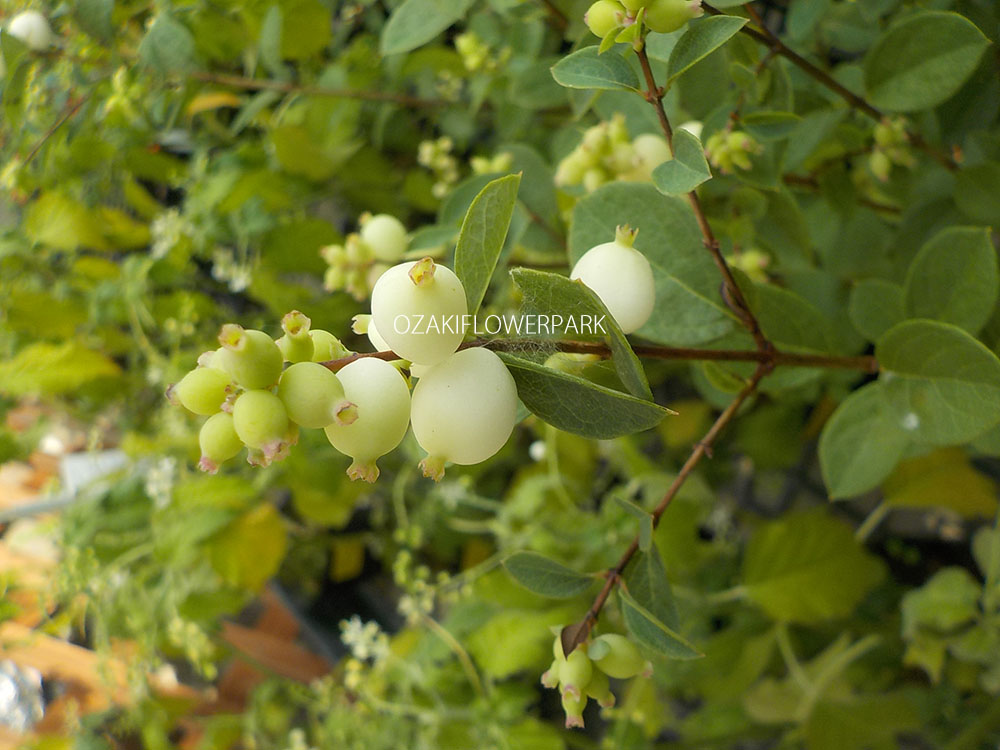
{"points": [[607, 153], [729, 151]]}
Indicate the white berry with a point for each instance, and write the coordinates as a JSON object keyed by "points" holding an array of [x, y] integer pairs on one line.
{"points": [[419, 310], [464, 409], [32, 28], [383, 402], [386, 236], [622, 277]]}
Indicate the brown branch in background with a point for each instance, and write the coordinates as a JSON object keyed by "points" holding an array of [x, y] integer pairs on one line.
{"points": [[72, 107], [811, 183], [559, 19], [733, 294], [773, 357], [576, 634], [766, 37], [263, 84]]}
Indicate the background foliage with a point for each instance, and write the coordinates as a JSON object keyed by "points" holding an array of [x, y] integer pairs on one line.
{"points": [[833, 570]]}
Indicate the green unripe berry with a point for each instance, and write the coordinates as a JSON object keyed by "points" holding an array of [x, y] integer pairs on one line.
{"points": [[386, 236], [314, 397], [250, 357], [603, 17], [203, 390], [575, 672], [573, 706], [600, 689], [621, 659], [218, 441], [550, 678], [665, 16], [419, 310], [464, 409], [261, 420], [326, 346], [633, 6], [622, 277], [651, 151], [383, 403], [296, 345]]}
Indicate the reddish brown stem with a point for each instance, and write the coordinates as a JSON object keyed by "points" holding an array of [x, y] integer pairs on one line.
{"points": [[72, 107], [581, 631], [260, 84], [766, 37], [773, 357], [733, 294]]}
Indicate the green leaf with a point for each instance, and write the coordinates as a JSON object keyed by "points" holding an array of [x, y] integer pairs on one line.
{"points": [[771, 126], [875, 306], [986, 551], [976, 191], [947, 600], [168, 46], [554, 295], [791, 321], [525, 637], [60, 222], [689, 309], [942, 384], [943, 478], [646, 580], [700, 40], [416, 22], [687, 170], [860, 444], [250, 550], [652, 633], [94, 17], [587, 69], [306, 28], [482, 236], [579, 406], [954, 279], [546, 577], [922, 61], [645, 521], [807, 567], [42, 368]]}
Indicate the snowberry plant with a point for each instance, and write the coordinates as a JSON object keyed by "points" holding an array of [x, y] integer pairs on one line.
{"points": [[657, 334]]}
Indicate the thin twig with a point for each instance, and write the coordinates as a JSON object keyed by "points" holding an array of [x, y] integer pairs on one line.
{"points": [[72, 107], [701, 449], [773, 357], [733, 294], [811, 183], [264, 84], [559, 19], [766, 37]]}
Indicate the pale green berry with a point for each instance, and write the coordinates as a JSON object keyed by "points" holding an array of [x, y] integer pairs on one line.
{"points": [[621, 659], [386, 236], [250, 357], [376, 338], [383, 402], [314, 397], [880, 165], [573, 705], [296, 345], [600, 689], [622, 277], [203, 390], [261, 420], [32, 28], [651, 151], [594, 178], [604, 16], [419, 309], [576, 671], [669, 15], [218, 441], [326, 346], [464, 409], [633, 6], [550, 678]]}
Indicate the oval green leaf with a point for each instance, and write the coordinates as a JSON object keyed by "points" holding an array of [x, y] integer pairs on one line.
{"points": [[546, 577], [588, 69]]}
